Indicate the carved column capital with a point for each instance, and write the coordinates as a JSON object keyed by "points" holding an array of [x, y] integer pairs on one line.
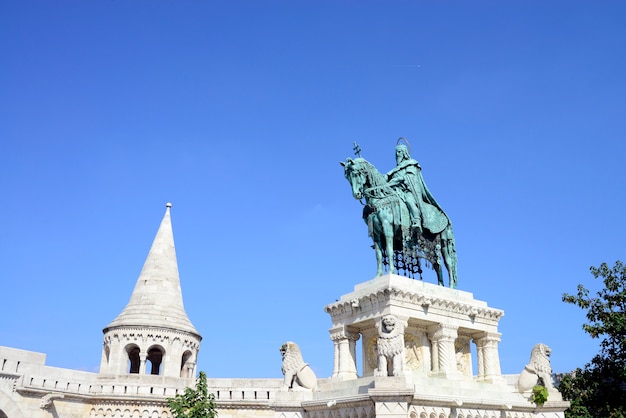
{"points": [[488, 339], [443, 332], [344, 334]]}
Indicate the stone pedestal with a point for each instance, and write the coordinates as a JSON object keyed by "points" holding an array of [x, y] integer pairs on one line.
{"points": [[438, 325], [392, 396]]}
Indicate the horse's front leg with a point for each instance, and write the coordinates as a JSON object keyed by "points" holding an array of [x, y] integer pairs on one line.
{"points": [[388, 230], [379, 257]]}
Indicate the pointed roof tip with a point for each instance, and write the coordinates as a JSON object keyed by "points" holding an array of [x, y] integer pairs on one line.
{"points": [[157, 298]]}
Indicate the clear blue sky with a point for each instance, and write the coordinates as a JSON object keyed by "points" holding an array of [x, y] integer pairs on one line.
{"points": [[238, 112]]}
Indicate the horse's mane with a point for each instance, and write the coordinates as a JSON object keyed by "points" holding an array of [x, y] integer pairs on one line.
{"points": [[376, 177]]}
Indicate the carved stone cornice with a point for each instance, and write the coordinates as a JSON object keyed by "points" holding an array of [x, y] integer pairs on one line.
{"points": [[382, 297], [162, 335]]}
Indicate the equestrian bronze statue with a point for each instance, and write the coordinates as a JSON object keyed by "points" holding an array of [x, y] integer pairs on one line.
{"points": [[403, 218]]}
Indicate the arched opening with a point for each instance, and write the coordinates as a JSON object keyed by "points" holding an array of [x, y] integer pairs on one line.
{"points": [[186, 367], [154, 359], [133, 358], [2, 414]]}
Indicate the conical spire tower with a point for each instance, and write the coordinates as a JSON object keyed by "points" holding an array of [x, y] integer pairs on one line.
{"points": [[153, 334], [157, 299]]}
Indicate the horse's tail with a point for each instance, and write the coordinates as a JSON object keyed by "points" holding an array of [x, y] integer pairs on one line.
{"points": [[447, 233]]}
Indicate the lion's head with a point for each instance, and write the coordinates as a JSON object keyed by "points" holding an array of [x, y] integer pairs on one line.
{"points": [[292, 356], [540, 358]]}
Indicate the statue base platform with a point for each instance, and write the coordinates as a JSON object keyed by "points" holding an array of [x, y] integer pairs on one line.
{"points": [[432, 371], [439, 325]]}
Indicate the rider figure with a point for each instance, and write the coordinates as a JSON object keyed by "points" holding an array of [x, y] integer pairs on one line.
{"points": [[406, 178]]}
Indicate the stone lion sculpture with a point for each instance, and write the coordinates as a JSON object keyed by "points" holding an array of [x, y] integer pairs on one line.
{"points": [[297, 373], [390, 347], [538, 368]]}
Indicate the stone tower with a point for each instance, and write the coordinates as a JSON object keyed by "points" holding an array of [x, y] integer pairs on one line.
{"points": [[153, 335]]}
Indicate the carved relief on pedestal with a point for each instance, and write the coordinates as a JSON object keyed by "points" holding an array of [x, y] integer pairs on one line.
{"points": [[371, 352], [413, 349], [463, 356]]}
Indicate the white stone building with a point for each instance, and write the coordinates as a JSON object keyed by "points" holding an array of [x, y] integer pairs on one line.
{"points": [[150, 351]]}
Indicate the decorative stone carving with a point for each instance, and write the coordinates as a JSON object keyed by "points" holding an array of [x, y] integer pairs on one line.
{"points": [[297, 373], [413, 349], [46, 401], [390, 347], [463, 356], [371, 352], [538, 368]]}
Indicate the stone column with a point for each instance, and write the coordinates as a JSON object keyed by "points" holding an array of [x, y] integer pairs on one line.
{"points": [[335, 358], [353, 337], [443, 337], [488, 357], [142, 363], [345, 354], [190, 370]]}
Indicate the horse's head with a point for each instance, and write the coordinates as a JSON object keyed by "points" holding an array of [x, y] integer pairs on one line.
{"points": [[355, 172]]}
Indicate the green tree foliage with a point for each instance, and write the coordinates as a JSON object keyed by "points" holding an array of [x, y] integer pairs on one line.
{"points": [[539, 395], [599, 390], [195, 402]]}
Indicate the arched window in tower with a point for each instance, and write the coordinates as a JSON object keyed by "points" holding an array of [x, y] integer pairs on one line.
{"points": [[155, 357], [186, 365], [133, 358]]}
